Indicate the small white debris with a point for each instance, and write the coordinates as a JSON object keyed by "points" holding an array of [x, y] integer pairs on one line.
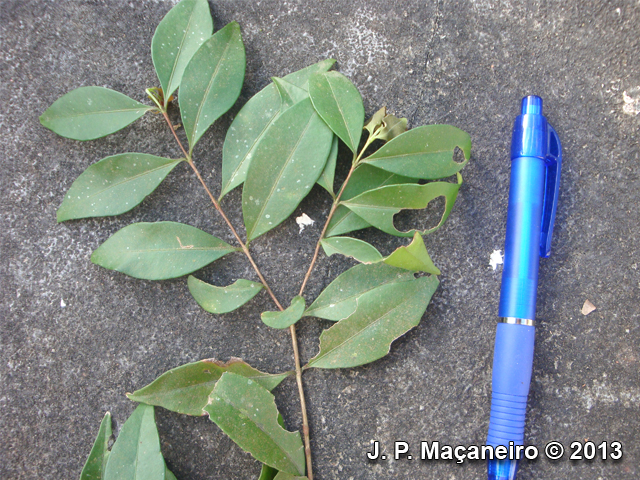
{"points": [[62, 304], [588, 307], [631, 101], [303, 221], [496, 259]]}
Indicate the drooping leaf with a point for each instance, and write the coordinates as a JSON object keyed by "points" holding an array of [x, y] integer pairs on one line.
{"points": [[287, 317], [161, 250], [114, 185], [338, 300], [185, 389], [288, 476], [375, 122], [413, 257], [285, 165], [136, 454], [267, 473], [252, 122], [339, 103], [222, 299], [364, 178], [391, 127], [168, 474], [328, 174], [379, 206], [247, 413], [367, 334], [177, 38], [97, 461], [87, 113], [290, 94], [425, 152], [351, 247], [212, 81]]}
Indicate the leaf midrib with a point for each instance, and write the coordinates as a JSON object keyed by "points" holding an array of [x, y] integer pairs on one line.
{"points": [[344, 120], [101, 112]]}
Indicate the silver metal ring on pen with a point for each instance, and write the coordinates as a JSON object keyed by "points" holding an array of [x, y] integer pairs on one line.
{"points": [[518, 321]]}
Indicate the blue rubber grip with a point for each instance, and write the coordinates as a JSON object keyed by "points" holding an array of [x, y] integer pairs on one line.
{"points": [[512, 365]]}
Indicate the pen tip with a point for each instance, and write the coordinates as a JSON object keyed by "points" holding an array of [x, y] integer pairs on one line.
{"points": [[502, 469]]}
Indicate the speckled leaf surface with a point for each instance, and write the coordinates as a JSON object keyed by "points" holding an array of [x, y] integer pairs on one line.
{"points": [[287, 317], [351, 247]]}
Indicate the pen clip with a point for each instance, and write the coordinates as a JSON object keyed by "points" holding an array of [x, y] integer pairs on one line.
{"points": [[553, 162]]}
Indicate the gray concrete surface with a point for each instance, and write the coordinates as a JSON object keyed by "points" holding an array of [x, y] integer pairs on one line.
{"points": [[75, 338]]}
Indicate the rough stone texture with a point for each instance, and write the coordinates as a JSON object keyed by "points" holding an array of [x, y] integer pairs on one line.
{"points": [[75, 337]]}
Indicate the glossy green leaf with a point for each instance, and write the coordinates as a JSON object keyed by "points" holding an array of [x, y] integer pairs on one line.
{"points": [[177, 38], [364, 178], [97, 461], [290, 94], [288, 476], [87, 113], [287, 317], [285, 165], [328, 174], [222, 299], [186, 389], [338, 300], [168, 474], [212, 81], [339, 103], [413, 257], [114, 185], [367, 334], [136, 454], [253, 120], [247, 413], [161, 250], [379, 206], [267, 473], [424, 152], [351, 247]]}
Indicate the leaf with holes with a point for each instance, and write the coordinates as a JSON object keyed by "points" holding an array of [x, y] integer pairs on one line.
{"points": [[425, 152], [114, 185], [212, 81], [87, 113], [363, 179], [157, 251], [379, 206], [185, 389], [287, 317], [285, 165], [177, 38], [222, 299], [367, 334], [136, 454], [247, 413], [338, 300], [97, 461], [339, 104], [251, 123]]}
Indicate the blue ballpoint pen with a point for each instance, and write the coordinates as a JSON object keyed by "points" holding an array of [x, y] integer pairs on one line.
{"points": [[536, 157]]}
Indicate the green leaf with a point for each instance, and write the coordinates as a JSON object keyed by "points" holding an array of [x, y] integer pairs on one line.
{"points": [[267, 473], [97, 461], [212, 81], [87, 113], [177, 38], [289, 93], [351, 247], [222, 299], [287, 317], [186, 389], [364, 178], [253, 120], [375, 122], [378, 320], [168, 475], [339, 103], [247, 413], [338, 300], [114, 185], [285, 165], [328, 174], [424, 152], [136, 454], [379, 206], [413, 257], [161, 250], [288, 476], [391, 127]]}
